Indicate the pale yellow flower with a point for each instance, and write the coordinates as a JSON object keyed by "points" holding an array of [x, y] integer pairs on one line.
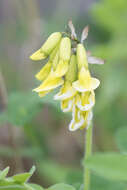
{"points": [[85, 82], [50, 83], [77, 119], [81, 57], [47, 47], [53, 60], [64, 57], [88, 116], [67, 91], [80, 119], [85, 100], [43, 73], [67, 104]]}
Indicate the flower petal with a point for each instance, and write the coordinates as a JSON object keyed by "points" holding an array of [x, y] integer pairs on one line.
{"points": [[88, 115], [42, 94], [79, 87], [50, 83], [85, 82], [67, 91], [87, 103], [38, 55], [66, 105], [61, 68], [77, 120], [43, 73], [94, 83]]}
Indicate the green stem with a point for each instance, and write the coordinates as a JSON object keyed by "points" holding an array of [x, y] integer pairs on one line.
{"points": [[88, 152]]}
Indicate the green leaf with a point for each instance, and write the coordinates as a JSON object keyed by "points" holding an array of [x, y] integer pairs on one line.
{"points": [[4, 173], [61, 186], [35, 187], [22, 178], [109, 165], [7, 182], [17, 182], [100, 183], [13, 187], [121, 139]]}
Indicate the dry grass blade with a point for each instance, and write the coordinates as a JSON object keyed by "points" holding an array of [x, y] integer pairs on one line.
{"points": [[72, 28], [84, 33], [95, 60]]}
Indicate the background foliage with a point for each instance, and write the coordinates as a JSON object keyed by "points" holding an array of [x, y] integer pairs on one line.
{"points": [[34, 130]]}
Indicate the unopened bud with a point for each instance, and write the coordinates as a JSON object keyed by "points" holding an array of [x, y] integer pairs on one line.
{"points": [[65, 49], [81, 56], [72, 70], [51, 42]]}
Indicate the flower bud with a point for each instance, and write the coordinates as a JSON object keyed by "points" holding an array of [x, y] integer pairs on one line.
{"points": [[71, 75], [51, 42], [65, 49], [55, 61], [81, 56], [54, 53]]}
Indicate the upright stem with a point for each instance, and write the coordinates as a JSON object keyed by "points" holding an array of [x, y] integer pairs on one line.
{"points": [[88, 152]]}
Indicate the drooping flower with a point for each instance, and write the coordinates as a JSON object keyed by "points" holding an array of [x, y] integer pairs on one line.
{"points": [[67, 91], [81, 56], [67, 104], [43, 73], [85, 101], [80, 119], [47, 47], [85, 82], [77, 119], [50, 83], [64, 57]]}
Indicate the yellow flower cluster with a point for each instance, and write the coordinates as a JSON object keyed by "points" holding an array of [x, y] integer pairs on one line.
{"points": [[68, 67]]}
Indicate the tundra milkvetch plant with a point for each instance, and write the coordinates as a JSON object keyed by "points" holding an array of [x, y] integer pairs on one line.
{"points": [[67, 66]]}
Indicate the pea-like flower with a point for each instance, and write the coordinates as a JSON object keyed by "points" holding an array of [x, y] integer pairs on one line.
{"points": [[47, 47], [85, 101], [80, 119], [67, 91], [85, 82], [50, 83], [64, 57]]}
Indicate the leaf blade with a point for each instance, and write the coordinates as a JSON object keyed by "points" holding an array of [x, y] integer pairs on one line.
{"points": [[109, 165]]}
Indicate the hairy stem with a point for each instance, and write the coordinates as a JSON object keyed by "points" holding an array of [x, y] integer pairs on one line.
{"points": [[88, 152]]}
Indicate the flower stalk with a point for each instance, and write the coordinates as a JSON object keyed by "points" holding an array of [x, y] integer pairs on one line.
{"points": [[88, 152]]}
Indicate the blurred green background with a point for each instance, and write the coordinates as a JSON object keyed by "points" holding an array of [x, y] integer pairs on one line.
{"points": [[34, 131]]}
